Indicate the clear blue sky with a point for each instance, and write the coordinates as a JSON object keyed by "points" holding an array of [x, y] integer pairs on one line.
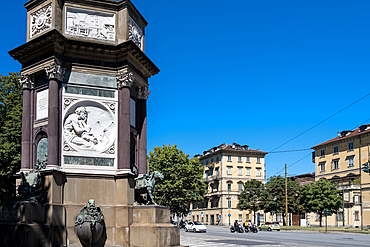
{"points": [[252, 72]]}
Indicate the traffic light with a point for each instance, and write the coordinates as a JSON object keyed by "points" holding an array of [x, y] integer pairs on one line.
{"points": [[327, 212], [365, 167]]}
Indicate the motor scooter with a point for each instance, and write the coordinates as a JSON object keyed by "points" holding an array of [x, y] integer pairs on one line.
{"points": [[240, 229]]}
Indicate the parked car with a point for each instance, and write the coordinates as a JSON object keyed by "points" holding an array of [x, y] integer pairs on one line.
{"points": [[269, 226], [195, 226]]}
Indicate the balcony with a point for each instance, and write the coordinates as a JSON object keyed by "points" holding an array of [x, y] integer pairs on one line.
{"points": [[349, 187], [216, 177]]}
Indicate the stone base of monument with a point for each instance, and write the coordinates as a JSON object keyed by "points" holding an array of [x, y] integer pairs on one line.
{"points": [[31, 224], [151, 228]]}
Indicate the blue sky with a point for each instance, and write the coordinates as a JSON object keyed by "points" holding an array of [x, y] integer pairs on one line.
{"points": [[251, 72]]}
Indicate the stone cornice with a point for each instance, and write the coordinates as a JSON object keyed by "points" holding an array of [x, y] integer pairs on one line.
{"points": [[104, 4], [53, 43]]}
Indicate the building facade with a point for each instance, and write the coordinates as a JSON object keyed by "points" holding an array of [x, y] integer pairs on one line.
{"points": [[340, 160], [226, 169]]}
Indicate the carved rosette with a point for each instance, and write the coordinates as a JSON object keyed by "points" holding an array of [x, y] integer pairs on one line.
{"points": [[111, 106], [26, 82], [125, 79], [55, 71], [134, 32], [111, 149], [40, 20], [68, 102], [143, 93]]}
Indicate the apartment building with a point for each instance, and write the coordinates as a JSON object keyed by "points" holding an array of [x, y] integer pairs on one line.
{"points": [[226, 169], [340, 160]]}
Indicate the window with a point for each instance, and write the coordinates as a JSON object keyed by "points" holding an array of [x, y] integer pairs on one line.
{"points": [[262, 218], [335, 164], [278, 216], [229, 203], [248, 159], [239, 159], [357, 215], [340, 216], [217, 159], [202, 164], [246, 217], [356, 199], [229, 170], [240, 217], [133, 113], [258, 160], [207, 163], [229, 187], [240, 187], [322, 153], [336, 149], [248, 171], [197, 217], [217, 171], [240, 171], [202, 218], [210, 172], [350, 146], [212, 160], [206, 175], [322, 166], [351, 161], [258, 172], [229, 158], [317, 217], [207, 218]]}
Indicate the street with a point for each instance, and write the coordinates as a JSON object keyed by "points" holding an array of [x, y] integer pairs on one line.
{"points": [[220, 236]]}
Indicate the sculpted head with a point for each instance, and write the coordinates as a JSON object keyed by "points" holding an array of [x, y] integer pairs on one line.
{"points": [[81, 111]]}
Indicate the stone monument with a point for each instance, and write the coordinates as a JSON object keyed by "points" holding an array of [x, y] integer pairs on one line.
{"points": [[85, 79]]}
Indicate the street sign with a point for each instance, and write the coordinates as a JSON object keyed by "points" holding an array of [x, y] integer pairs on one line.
{"points": [[229, 215], [228, 211], [189, 213], [201, 212]]}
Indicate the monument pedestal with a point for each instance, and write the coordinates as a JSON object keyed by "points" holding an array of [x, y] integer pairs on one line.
{"points": [[151, 228]]}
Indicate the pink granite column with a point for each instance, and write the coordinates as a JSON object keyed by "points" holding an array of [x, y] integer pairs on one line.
{"points": [[55, 74], [27, 84], [124, 82], [143, 96]]}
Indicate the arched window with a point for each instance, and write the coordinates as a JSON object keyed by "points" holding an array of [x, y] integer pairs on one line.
{"points": [[42, 150]]}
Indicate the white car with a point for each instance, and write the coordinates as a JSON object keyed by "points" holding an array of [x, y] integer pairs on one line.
{"points": [[195, 226]]}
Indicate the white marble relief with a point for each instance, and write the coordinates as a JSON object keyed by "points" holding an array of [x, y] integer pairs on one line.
{"points": [[134, 32], [85, 23], [40, 20], [88, 127]]}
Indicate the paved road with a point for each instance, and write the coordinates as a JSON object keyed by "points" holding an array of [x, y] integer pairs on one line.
{"points": [[219, 236]]}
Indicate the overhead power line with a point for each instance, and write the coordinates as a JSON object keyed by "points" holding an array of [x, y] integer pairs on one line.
{"points": [[320, 122]]}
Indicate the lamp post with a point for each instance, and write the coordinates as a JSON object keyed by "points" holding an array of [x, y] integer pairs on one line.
{"points": [[275, 199]]}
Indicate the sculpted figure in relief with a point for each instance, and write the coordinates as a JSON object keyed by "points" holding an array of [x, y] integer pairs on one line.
{"points": [[77, 131]]}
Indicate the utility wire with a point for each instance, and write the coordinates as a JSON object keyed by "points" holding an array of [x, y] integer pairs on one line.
{"points": [[321, 122]]}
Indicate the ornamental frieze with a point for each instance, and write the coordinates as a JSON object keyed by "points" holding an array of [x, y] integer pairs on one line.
{"points": [[134, 32]]}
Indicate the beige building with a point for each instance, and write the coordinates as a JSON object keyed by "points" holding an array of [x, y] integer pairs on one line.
{"points": [[226, 169], [340, 160]]}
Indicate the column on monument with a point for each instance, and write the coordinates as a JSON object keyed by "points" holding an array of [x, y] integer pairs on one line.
{"points": [[125, 80], [143, 96], [27, 85], [55, 74]]}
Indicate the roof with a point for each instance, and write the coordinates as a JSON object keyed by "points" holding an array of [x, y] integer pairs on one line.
{"points": [[346, 134], [234, 148]]}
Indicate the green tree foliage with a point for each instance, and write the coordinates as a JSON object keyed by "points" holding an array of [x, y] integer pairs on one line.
{"points": [[274, 196], [10, 132], [320, 195], [251, 196], [182, 183]]}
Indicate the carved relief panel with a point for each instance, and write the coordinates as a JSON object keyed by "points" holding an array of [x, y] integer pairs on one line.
{"points": [[90, 24], [40, 20], [135, 33], [89, 126]]}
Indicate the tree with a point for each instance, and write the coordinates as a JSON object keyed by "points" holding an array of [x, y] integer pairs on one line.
{"points": [[183, 179], [250, 197], [274, 196], [320, 195], [10, 132]]}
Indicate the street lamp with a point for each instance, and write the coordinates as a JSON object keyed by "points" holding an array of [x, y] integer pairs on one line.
{"points": [[275, 199]]}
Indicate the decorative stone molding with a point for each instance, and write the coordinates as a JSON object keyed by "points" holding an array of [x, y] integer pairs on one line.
{"points": [[67, 102], [111, 106], [134, 32], [143, 93], [111, 149], [125, 79], [26, 81], [68, 148], [41, 20], [55, 71]]}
